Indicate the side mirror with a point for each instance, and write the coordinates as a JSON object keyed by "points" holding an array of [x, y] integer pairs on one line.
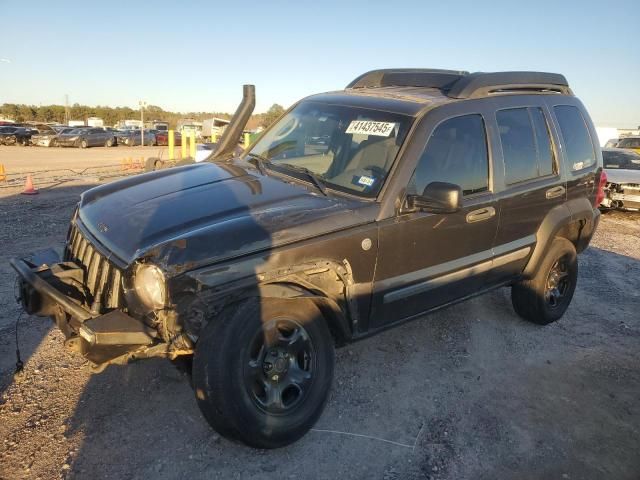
{"points": [[438, 197]]}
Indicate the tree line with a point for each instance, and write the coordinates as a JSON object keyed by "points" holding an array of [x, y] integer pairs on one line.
{"points": [[111, 115]]}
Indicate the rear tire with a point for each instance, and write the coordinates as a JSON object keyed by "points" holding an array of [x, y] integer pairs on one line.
{"points": [[153, 163], [544, 298], [262, 371]]}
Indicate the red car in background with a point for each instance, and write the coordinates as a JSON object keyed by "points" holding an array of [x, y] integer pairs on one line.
{"points": [[162, 138]]}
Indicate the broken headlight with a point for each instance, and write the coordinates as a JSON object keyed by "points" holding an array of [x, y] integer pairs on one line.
{"points": [[150, 286]]}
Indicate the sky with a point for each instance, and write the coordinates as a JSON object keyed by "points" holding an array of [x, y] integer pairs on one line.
{"points": [[194, 56]]}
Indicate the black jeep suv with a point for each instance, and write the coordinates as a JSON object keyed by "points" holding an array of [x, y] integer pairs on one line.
{"points": [[429, 187]]}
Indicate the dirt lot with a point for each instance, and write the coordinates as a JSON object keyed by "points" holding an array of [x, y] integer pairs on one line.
{"points": [[468, 392], [18, 159]]}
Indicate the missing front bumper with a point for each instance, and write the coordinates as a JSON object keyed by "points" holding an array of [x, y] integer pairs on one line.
{"points": [[49, 288]]}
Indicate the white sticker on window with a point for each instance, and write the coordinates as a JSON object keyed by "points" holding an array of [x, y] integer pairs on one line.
{"points": [[364, 180], [367, 127]]}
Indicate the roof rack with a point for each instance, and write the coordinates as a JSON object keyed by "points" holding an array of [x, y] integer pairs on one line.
{"points": [[461, 84], [408, 77], [481, 84]]}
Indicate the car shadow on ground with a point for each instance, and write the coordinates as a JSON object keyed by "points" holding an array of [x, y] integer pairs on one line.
{"points": [[468, 392]]}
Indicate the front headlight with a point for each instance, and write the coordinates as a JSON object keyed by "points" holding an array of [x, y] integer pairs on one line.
{"points": [[149, 285]]}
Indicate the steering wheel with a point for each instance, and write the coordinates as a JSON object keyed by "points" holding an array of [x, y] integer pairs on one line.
{"points": [[294, 124]]}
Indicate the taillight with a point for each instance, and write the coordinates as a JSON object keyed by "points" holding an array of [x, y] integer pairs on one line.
{"points": [[602, 182]]}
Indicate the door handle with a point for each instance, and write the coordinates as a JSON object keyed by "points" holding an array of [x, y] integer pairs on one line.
{"points": [[480, 214], [555, 192]]}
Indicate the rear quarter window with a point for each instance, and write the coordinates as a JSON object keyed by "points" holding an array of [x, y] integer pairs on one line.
{"points": [[577, 141], [526, 145]]}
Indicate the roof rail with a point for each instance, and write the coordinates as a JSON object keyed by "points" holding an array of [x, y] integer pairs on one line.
{"points": [[462, 84], [408, 77], [481, 84]]}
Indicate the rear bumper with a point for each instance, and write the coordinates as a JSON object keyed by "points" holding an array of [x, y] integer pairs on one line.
{"points": [[47, 289]]}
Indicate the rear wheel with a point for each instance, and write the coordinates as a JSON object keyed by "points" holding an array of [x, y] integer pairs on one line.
{"points": [[545, 297], [153, 163], [262, 371], [54, 142]]}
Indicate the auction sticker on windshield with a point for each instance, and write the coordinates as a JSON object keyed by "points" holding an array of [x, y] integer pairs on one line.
{"points": [[367, 127]]}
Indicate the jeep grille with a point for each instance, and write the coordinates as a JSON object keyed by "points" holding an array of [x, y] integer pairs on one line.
{"points": [[102, 280]]}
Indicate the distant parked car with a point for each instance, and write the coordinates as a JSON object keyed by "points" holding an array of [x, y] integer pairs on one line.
{"points": [[15, 135], [134, 138], [87, 137], [611, 143], [49, 139], [623, 179], [162, 138], [630, 143]]}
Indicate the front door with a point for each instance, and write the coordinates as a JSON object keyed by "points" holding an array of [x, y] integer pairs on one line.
{"points": [[425, 259]]}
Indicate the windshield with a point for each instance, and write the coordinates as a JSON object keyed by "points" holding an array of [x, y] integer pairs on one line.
{"points": [[347, 148], [621, 160], [8, 129]]}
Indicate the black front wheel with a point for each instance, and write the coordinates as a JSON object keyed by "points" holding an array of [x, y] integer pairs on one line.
{"points": [[262, 371]]}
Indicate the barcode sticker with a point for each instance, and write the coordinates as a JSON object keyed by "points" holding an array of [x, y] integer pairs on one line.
{"points": [[367, 127]]}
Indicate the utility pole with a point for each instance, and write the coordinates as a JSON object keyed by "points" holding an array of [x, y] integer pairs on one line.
{"points": [[142, 107], [67, 117]]}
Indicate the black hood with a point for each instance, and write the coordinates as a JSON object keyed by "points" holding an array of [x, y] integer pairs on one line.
{"points": [[200, 214]]}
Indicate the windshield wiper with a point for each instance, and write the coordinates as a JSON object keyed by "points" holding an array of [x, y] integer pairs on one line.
{"points": [[309, 173], [259, 161]]}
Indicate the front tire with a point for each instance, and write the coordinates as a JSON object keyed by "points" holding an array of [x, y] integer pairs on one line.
{"points": [[84, 144], [262, 371], [545, 297], [109, 143]]}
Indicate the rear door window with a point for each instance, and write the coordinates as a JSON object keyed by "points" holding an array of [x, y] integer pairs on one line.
{"points": [[577, 141], [526, 144], [455, 153]]}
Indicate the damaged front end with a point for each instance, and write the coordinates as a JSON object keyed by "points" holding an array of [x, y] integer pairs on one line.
{"points": [[622, 196], [95, 303]]}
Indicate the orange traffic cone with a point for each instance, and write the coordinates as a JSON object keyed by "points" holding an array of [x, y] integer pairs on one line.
{"points": [[28, 187]]}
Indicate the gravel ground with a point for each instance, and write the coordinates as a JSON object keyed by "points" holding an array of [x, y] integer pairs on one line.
{"points": [[468, 392]]}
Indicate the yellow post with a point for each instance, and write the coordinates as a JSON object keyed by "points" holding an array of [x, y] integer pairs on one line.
{"points": [[185, 139], [247, 140], [214, 138], [172, 144], [192, 144], [3, 175]]}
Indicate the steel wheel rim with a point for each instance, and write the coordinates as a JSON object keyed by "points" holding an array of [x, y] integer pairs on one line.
{"points": [[558, 282], [279, 366]]}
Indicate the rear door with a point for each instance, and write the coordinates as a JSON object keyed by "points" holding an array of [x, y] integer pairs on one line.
{"points": [[530, 182], [579, 150], [95, 137], [426, 259]]}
